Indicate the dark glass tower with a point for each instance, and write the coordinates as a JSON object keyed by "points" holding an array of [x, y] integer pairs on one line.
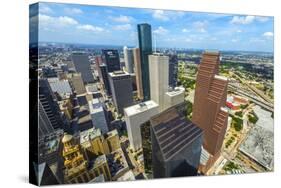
{"points": [[111, 59], [105, 81], [173, 70], [145, 45]]}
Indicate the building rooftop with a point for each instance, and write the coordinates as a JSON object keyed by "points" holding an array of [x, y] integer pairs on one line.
{"points": [[175, 91], [173, 132], [118, 73], [221, 77], [139, 108], [86, 136], [95, 106]]}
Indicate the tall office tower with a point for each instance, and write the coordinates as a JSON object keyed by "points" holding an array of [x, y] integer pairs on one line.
{"points": [[45, 126], [129, 59], [136, 55], [145, 46], [112, 139], [105, 81], [98, 62], [93, 143], [173, 97], [49, 104], [121, 88], [137, 115], [111, 59], [82, 65], [77, 84], [209, 102], [173, 70], [159, 78], [98, 115], [176, 145]]}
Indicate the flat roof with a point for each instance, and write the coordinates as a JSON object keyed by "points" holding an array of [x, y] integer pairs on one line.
{"points": [[141, 107], [89, 134], [221, 77], [175, 91], [118, 73]]}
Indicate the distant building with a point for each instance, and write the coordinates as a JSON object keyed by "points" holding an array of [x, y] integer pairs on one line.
{"points": [[121, 88], [98, 115], [145, 46], [159, 78], [50, 112], [173, 70], [209, 102], [104, 78], [137, 115], [176, 145], [129, 59], [111, 59], [138, 72], [82, 65]]}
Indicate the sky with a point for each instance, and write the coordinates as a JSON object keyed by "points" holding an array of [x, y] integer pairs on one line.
{"points": [[88, 24]]}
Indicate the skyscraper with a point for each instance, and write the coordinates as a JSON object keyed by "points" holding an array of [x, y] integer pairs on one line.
{"points": [[105, 81], [111, 59], [129, 59], [49, 105], [45, 126], [82, 65], [121, 88], [136, 54], [145, 45], [159, 78], [135, 116], [176, 145], [174, 97], [173, 70], [98, 115], [209, 102]]}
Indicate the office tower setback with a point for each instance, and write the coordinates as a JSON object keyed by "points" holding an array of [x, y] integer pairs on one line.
{"points": [[173, 70], [145, 46], [121, 88], [209, 102], [105, 81], [129, 59], [137, 115], [111, 59], [138, 72], [82, 65], [174, 97], [98, 115], [50, 106], [159, 78], [176, 145], [45, 126]]}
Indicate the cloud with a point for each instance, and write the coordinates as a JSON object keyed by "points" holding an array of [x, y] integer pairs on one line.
{"points": [[88, 27], [268, 34], [262, 18], [73, 11], [248, 19], [160, 30], [239, 31], [122, 27], [122, 19], [234, 40], [160, 15], [61, 21], [43, 9], [200, 26], [188, 40], [185, 30]]}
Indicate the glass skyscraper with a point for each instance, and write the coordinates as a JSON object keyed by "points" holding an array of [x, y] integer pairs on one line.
{"points": [[145, 45]]}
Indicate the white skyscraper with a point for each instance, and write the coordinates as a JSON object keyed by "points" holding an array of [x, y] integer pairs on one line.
{"points": [[159, 78], [129, 59], [135, 116], [98, 115]]}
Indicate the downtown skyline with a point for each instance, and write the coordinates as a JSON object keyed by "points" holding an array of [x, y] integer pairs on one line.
{"points": [[100, 25]]}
